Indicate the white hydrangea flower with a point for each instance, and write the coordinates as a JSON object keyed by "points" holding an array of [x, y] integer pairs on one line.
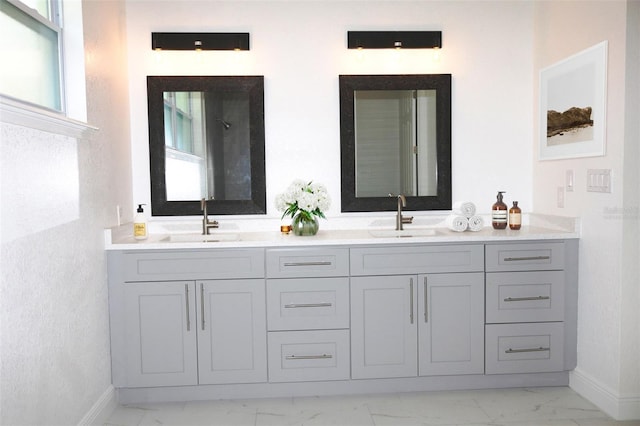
{"points": [[281, 202], [307, 201], [313, 198]]}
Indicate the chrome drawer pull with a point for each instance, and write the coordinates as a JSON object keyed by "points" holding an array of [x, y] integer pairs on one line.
{"points": [[322, 263], [308, 305], [323, 356], [516, 259], [521, 299], [517, 351]]}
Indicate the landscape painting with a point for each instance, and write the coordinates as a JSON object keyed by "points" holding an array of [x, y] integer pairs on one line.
{"points": [[572, 106]]}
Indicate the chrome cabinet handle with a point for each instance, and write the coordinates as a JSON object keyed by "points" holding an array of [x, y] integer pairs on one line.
{"points": [[517, 259], [521, 299], [323, 356], [320, 263], [426, 302], [411, 299], [308, 305], [517, 351], [186, 294], [202, 305]]}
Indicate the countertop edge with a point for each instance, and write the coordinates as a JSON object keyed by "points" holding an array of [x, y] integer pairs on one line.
{"points": [[337, 238]]}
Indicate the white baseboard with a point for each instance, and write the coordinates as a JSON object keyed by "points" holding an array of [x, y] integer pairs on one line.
{"points": [[617, 406], [102, 409]]}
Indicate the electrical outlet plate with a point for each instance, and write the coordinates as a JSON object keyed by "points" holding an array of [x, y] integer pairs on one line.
{"points": [[599, 180]]}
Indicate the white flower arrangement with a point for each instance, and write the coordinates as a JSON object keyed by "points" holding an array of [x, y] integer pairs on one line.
{"points": [[307, 199]]}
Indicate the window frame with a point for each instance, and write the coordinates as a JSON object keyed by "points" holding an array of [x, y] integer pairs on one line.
{"points": [[55, 24], [73, 121]]}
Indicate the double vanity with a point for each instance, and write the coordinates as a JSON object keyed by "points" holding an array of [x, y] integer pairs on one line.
{"points": [[261, 314]]}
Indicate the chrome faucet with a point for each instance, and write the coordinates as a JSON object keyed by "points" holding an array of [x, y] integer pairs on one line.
{"points": [[402, 202], [400, 219], [206, 223]]}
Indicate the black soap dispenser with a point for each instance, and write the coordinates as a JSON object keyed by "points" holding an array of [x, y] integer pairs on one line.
{"points": [[499, 213]]}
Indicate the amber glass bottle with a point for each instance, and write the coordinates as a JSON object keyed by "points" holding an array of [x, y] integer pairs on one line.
{"points": [[515, 216], [499, 213]]}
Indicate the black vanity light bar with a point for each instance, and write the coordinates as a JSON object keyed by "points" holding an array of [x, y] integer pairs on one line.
{"points": [[394, 39], [200, 41]]}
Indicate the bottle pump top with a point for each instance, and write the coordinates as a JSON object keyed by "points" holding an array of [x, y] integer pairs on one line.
{"points": [[140, 210], [500, 195]]}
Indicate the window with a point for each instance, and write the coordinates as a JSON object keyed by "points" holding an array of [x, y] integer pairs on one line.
{"points": [[31, 44], [180, 113]]}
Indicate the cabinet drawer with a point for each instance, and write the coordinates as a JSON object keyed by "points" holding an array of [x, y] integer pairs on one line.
{"points": [[307, 303], [193, 265], [287, 263], [525, 296], [300, 356], [417, 260], [524, 257], [524, 348]]}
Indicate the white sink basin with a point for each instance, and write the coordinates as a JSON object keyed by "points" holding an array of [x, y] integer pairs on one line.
{"points": [[199, 238], [420, 222], [405, 233], [191, 227]]}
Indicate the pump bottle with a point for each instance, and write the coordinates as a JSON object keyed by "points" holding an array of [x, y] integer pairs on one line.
{"points": [[140, 224], [499, 213]]}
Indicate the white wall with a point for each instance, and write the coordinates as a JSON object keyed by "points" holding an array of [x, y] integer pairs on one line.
{"points": [[300, 48], [54, 316], [608, 369]]}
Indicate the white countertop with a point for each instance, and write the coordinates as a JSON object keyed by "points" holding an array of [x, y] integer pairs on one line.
{"points": [[342, 232]]}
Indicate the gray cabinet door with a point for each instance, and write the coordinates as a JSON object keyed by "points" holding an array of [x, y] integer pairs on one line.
{"points": [[451, 324], [160, 337], [232, 332], [383, 327]]}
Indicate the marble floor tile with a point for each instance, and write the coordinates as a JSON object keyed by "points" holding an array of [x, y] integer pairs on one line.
{"points": [[606, 422], [331, 410], [535, 404], [426, 409], [559, 406], [126, 416]]}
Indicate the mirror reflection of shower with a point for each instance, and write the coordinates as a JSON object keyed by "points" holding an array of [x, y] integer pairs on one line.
{"points": [[203, 159]]}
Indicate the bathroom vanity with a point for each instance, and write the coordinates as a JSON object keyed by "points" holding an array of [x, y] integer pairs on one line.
{"points": [[343, 312]]}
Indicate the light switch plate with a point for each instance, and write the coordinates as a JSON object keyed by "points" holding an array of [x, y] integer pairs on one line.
{"points": [[599, 180], [569, 181]]}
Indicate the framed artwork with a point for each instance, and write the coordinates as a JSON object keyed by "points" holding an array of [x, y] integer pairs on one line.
{"points": [[573, 96]]}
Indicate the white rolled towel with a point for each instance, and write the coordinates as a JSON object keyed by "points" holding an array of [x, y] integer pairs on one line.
{"points": [[464, 208], [457, 222], [476, 223]]}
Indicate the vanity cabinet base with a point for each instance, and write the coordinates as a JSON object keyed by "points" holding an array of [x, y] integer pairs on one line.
{"points": [[306, 321], [341, 387]]}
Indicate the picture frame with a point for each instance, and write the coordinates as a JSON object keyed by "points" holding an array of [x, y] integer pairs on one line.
{"points": [[572, 112]]}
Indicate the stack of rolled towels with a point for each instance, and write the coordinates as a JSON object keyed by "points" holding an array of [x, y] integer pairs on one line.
{"points": [[463, 216]]}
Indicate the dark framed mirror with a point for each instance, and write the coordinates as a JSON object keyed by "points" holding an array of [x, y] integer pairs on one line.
{"points": [[206, 140], [395, 138]]}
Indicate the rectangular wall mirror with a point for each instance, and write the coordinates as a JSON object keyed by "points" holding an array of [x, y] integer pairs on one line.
{"points": [[206, 140], [395, 139]]}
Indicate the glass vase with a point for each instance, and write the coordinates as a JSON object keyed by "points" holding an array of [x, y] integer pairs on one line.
{"points": [[305, 225]]}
